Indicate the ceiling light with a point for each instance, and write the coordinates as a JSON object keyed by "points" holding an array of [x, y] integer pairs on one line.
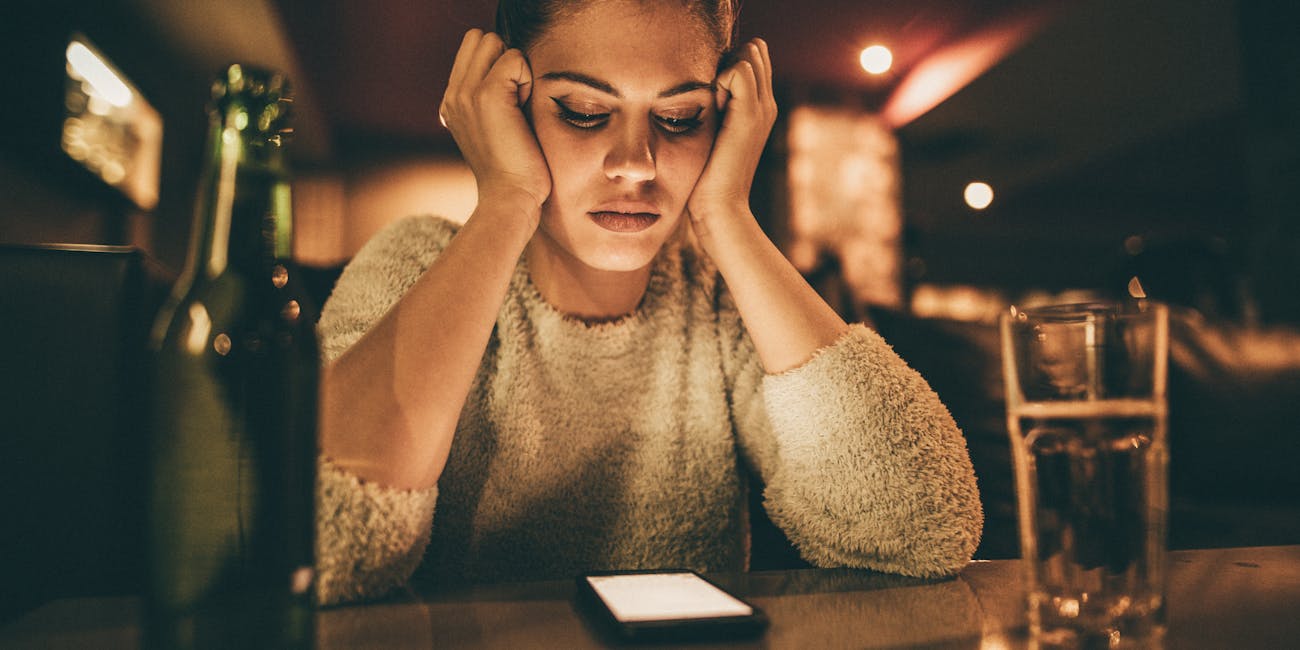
{"points": [[876, 59], [978, 195]]}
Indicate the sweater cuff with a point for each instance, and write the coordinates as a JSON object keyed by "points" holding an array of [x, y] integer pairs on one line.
{"points": [[369, 538]]}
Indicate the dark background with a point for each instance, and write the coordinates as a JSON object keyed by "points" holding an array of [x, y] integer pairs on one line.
{"points": [[1169, 124]]}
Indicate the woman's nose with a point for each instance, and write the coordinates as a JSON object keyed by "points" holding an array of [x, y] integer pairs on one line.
{"points": [[632, 157]]}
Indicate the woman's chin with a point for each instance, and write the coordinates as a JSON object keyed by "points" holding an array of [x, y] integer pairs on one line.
{"points": [[624, 258], [605, 249]]}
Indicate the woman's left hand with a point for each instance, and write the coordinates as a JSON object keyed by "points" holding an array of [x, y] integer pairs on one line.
{"points": [[748, 111]]}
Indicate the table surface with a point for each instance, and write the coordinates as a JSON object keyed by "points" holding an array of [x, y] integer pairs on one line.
{"points": [[1218, 598]]}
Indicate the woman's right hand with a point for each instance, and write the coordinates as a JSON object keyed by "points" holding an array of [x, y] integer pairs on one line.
{"points": [[484, 109]]}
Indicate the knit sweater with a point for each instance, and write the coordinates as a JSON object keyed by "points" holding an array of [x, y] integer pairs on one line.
{"points": [[626, 444]]}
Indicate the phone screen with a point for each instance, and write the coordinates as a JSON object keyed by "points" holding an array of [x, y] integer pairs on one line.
{"points": [[638, 597]]}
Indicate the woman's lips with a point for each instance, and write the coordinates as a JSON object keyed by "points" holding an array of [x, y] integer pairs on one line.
{"points": [[624, 221]]}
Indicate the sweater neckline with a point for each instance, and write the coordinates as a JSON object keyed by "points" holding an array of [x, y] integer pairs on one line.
{"points": [[657, 286]]}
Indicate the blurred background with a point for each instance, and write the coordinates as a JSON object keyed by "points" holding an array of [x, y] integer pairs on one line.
{"points": [[1118, 138], [997, 152]]}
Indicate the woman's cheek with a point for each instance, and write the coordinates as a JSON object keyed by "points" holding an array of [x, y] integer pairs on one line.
{"points": [[567, 155], [689, 159]]}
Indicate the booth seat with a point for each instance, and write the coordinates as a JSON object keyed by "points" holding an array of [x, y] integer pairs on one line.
{"points": [[1234, 425], [73, 326]]}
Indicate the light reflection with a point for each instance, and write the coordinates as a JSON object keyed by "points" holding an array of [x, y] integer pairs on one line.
{"points": [[200, 328], [230, 150], [995, 641], [222, 344], [279, 276], [957, 302], [112, 172], [301, 579], [948, 70], [1135, 288], [291, 311], [102, 81]]}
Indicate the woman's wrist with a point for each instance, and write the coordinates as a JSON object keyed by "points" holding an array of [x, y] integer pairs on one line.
{"points": [[721, 218], [516, 210], [725, 228]]}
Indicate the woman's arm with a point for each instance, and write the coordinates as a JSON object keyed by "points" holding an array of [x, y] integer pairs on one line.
{"points": [[863, 464], [392, 400], [784, 316]]}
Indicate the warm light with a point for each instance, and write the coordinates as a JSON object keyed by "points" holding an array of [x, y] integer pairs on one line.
{"points": [[844, 199], [942, 73], [1135, 288], [200, 328], [95, 72], [978, 195], [876, 59]]}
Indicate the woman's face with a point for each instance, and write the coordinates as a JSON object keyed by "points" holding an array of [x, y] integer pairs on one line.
{"points": [[623, 107]]}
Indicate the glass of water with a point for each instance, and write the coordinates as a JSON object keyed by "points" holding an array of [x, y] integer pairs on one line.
{"points": [[1086, 410]]}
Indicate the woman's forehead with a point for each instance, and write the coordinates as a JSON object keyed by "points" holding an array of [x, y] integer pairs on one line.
{"points": [[627, 39]]}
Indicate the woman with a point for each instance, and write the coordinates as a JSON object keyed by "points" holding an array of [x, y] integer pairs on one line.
{"points": [[581, 375]]}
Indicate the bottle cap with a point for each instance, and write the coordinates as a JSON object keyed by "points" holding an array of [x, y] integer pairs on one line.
{"points": [[264, 94]]}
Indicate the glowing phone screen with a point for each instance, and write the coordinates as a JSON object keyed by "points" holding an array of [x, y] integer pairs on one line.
{"points": [[664, 596]]}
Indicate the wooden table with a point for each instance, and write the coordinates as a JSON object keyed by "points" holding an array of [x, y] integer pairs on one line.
{"points": [[1218, 598]]}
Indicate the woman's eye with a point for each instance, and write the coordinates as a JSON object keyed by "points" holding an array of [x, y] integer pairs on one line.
{"points": [[680, 124], [579, 119]]}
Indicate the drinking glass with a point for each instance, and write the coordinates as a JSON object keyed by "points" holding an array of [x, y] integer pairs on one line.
{"points": [[1086, 410]]}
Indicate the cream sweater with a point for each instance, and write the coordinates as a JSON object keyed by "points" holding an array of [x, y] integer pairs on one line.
{"points": [[626, 444]]}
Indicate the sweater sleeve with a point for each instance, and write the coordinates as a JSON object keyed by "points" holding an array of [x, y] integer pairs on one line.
{"points": [[863, 465], [370, 538]]}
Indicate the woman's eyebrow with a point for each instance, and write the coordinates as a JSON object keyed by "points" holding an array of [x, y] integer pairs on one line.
{"points": [[578, 77], [688, 87], [608, 89]]}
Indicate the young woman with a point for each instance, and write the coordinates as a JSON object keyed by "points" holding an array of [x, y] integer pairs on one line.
{"points": [[582, 376]]}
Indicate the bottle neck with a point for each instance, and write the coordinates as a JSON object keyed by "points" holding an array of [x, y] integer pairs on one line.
{"points": [[244, 218]]}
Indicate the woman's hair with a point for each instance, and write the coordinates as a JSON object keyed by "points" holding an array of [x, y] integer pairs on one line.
{"points": [[521, 22]]}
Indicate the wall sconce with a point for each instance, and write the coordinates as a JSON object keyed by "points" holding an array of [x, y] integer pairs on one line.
{"points": [[108, 127]]}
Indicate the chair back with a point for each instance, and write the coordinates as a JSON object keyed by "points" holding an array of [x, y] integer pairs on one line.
{"points": [[73, 443]]}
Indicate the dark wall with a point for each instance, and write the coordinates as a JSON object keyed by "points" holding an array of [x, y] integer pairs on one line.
{"points": [[1158, 139], [1271, 56]]}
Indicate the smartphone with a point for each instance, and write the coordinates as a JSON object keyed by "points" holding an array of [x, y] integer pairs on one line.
{"points": [[667, 605]]}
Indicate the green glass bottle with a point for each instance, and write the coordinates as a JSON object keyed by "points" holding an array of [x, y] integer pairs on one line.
{"points": [[235, 393]]}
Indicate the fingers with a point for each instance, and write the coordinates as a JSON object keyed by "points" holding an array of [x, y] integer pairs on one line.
{"points": [[763, 70], [735, 81], [749, 79], [486, 91], [485, 55], [467, 45], [484, 64], [512, 74]]}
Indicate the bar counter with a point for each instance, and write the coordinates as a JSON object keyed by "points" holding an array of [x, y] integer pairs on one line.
{"points": [[1218, 598]]}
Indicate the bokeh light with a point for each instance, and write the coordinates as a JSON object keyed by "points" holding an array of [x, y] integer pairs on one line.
{"points": [[876, 59], [978, 195]]}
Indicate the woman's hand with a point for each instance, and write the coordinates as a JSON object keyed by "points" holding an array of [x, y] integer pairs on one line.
{"points": [[748, 109], [484, 109]]}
